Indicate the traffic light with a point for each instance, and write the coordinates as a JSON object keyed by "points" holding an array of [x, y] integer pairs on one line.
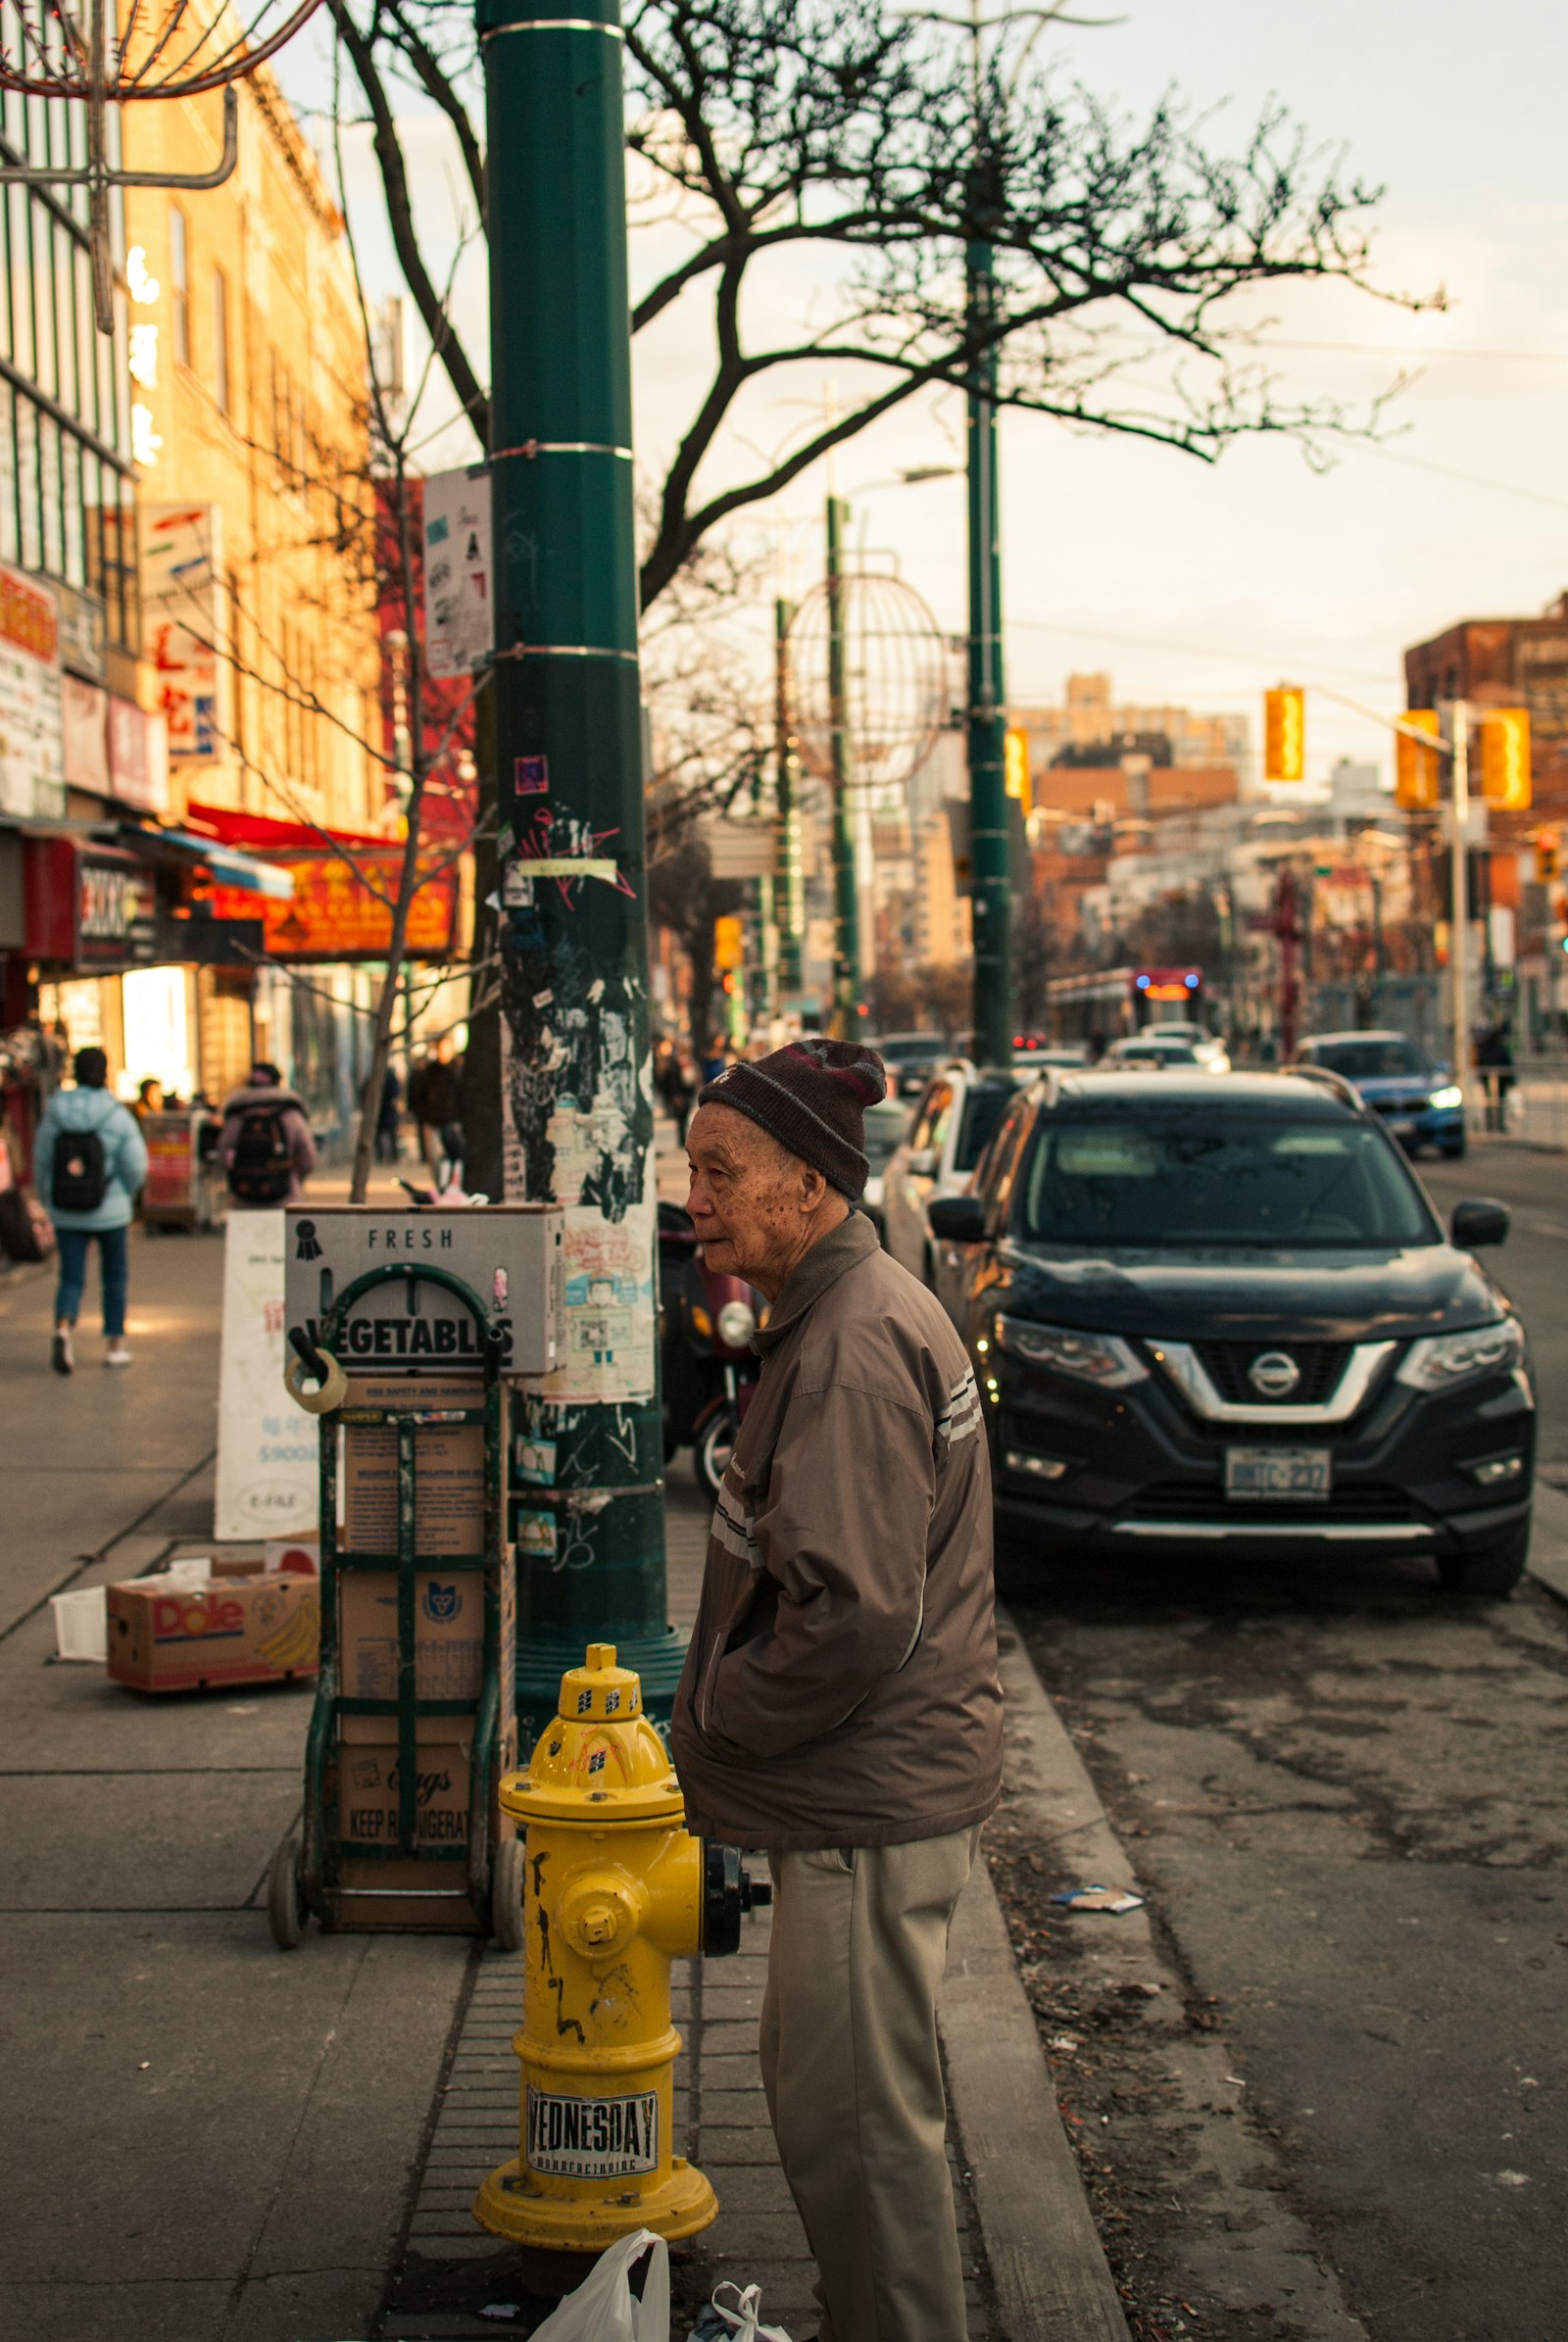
{"points": [[729, 944], [1506, 759], [1417, 770], [1285, 734], [1547, 857], [1015, 769]]}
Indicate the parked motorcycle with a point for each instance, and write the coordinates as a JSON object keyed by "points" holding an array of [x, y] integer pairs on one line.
{"points": [[709, 1370]]}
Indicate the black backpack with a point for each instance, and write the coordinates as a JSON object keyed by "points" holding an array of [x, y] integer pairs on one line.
{"points": [[262, 1171], [81, 1178]]}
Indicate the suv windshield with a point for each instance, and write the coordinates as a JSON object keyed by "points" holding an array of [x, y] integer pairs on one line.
{"points": [[983, 1109], [1372, 1060], [884, 1127], [1199, 1178], [899, 1047]]}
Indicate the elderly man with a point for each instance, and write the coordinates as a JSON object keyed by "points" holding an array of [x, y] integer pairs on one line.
{"points": [[839, 1705]]}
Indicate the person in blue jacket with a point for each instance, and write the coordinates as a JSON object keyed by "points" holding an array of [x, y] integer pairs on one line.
{"points": [[89, 1161]]}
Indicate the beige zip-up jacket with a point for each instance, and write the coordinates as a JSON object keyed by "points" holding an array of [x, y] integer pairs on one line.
{"points": [[841, 1688]]}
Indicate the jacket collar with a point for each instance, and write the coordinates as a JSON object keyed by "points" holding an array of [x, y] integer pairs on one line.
{"points": [[852, 1241], [261, 1093]]}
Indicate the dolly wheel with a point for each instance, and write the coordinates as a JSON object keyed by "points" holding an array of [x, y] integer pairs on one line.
{"points": [[285, 1912], [505, 1895]]}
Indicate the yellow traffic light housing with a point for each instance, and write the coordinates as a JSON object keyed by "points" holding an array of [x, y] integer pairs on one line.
{"points": [[1548, 853], [1506, 759], [1418, 770], [1285, 734], [729, 943], [1015, 768]]}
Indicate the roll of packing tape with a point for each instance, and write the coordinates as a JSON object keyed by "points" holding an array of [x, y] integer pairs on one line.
{"points": [[332, 1392]]}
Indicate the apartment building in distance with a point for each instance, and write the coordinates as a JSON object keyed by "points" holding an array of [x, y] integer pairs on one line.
{"points": [[1091, 722]]}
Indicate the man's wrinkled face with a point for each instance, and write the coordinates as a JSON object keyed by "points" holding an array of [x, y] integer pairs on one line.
{"points": [[755, 1208]]}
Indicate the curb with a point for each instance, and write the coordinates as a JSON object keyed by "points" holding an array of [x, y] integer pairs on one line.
{"points": [[1049, 2273], [1548, 1545]]}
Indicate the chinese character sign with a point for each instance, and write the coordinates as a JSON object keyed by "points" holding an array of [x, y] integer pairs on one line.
{"points": [[33, 769], [179, 616]]}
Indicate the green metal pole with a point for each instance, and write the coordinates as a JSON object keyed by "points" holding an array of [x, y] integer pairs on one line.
{"points": [[988, 705], [791, 883], [846, 877], [575, 1073], [763, 1002]]}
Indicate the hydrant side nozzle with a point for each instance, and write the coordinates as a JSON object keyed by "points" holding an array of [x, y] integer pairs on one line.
{"points": [[728, 1890]]}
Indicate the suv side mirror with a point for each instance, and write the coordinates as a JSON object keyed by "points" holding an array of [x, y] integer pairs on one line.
{"points": [[923, 1163], [960, 1219], [1480, 1221]]}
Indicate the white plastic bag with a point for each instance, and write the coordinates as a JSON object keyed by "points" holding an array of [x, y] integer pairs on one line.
{"points": [[603, 2308], [744, 2322]]}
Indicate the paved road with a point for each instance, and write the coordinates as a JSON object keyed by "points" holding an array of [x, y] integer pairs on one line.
{"points": [[1532, 1266], [1346, 1795]]}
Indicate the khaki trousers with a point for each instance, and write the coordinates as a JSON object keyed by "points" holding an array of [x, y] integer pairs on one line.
{"points": [[854, 2078]]}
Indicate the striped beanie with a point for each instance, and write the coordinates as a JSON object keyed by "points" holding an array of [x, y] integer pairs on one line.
{"points": [[812, 1096]]}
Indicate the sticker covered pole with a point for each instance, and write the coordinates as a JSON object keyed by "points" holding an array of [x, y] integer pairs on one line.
{"points": [[577, 1085]]}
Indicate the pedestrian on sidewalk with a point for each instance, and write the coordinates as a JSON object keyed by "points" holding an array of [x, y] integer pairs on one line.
{"points": [[839, 1705], [389, 1119], [89, 1159], [265, 1145]]}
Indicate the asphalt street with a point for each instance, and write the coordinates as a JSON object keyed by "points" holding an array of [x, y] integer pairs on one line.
{"points": [[1343, 1794]]}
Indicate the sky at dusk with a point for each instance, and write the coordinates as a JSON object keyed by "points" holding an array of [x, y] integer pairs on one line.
{"points": [[1204, 583]]}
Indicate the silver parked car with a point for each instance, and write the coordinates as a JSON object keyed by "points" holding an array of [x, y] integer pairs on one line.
{"points": [[956, 1115]]}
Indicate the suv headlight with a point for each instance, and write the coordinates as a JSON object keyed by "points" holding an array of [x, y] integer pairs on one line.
{"points": [[1450, 1095], [1099, 1358], [737, 1323], [1440, 1360]]}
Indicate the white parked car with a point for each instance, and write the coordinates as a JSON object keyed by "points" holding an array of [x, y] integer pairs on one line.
{"points": [[885, 1127], [956, 1116], [1207, 1048], [1151, 1052]]}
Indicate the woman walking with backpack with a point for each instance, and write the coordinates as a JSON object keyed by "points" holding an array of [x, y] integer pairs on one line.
{"points": [[89, 1161]]}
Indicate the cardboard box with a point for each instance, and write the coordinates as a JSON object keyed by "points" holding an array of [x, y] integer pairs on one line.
{"points": [[509, 1255], [448, 1468], [300, 1556], [448, 1632], [424, 1893], [232, 1631], [368, 1751], [367, 1792]]}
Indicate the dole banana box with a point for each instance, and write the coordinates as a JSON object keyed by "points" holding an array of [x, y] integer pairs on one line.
{"points": [[258, 1630]]}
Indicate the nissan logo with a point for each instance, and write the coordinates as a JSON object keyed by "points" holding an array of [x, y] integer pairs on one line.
{"points": [[1274, 1375]]}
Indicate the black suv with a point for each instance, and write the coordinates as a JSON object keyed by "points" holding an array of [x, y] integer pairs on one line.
{"points": [[1222, 1314]]}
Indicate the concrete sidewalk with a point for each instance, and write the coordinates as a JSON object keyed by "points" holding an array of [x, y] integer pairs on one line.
{"points": [[213, 2142], [205, 2142]]}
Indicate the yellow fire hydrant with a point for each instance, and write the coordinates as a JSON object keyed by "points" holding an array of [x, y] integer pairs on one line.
{"points": [[615, 1888]]}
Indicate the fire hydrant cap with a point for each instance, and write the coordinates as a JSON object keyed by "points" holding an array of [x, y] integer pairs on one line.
{"points": [[601, 1761]]}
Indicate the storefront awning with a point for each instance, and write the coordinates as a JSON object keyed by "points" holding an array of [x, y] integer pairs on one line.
{"points": [[343, 887], [230, 868]]}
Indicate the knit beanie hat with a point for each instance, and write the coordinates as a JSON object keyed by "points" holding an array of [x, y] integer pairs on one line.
{"points": [[812, 1096]]}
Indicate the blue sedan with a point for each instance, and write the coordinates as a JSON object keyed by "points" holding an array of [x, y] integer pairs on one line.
{"points": [[1418, 1098]]}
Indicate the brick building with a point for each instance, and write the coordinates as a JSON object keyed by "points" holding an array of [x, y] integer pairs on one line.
{"points": [[1506, 663]]}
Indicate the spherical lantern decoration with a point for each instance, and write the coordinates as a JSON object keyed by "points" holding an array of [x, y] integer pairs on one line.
{"points": [[896, 682]]}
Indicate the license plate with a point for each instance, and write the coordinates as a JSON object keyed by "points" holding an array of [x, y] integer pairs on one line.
{"points": [[1403, 1127], [1275, 1473]]}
